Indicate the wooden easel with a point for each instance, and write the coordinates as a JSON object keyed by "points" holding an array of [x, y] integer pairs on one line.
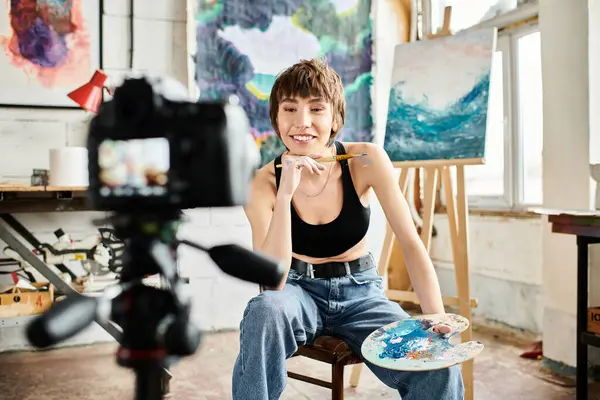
{"points": [[445, 29], [392, 261], [457, 210]]}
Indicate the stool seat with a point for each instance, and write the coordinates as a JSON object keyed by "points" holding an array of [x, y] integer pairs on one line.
{"points": [[331, 350]]}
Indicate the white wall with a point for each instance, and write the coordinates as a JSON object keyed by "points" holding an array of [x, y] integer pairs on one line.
{"points": [[564, 39], [594, 76], [505, 264]]}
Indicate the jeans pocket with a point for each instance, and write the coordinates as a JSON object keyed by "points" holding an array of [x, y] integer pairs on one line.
{"points": [[369, 276], [294, 276]]}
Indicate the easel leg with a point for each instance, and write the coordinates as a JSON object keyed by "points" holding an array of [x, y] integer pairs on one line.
{"points": [[458, 221], [431, 178], [355, 374], [391, 255]]}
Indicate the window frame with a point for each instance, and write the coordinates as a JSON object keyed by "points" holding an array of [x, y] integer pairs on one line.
{"points": [[504, 200], [518, 146], [514, 179]]}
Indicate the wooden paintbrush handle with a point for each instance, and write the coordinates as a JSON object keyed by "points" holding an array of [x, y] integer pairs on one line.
{"points": [[332, 158]]}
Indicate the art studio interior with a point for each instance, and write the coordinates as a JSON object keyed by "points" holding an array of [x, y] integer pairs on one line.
{"points": [[488, 111]]}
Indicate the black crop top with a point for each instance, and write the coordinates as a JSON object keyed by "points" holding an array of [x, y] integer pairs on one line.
{"points": [[339, 235]]}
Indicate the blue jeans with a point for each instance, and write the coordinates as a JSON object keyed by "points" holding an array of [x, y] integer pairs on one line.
{"points": [[275, 323]]}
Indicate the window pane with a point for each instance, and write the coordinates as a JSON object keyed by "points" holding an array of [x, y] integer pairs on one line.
{"points": [[488, 179], [529, 69], [466, 13]]}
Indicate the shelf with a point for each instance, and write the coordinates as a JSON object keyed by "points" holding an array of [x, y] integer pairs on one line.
{"points": [[28, 188], [16, 321], [590, 339]]}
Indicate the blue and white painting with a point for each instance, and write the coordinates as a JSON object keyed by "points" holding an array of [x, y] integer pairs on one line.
{"points": [[439, 94]]}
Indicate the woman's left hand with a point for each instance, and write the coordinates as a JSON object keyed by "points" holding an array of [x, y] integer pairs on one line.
{"points": [[442, 329]]}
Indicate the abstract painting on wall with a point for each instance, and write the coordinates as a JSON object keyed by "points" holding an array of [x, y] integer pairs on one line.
{"points": [[48, 48], [241, 46], [439, 94]]}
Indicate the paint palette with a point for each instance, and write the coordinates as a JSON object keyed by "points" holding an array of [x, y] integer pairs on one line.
{"points": [[412, 345]]}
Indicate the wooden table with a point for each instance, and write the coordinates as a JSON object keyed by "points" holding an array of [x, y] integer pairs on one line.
{"points": [[585, 225], [28, 199], [25, 199]]}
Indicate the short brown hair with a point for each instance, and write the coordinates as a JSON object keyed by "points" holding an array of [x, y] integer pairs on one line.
{"points": [[310, 78]]}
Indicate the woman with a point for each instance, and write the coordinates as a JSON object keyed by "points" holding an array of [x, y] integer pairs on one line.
{"points": [[314, 217]]}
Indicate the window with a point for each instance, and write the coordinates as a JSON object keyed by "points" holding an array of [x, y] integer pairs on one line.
{"points": [[466, 13], [512, 175], [486, 183], [530, 132]]}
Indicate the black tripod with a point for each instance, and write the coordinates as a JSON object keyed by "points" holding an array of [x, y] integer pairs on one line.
{"points": [[156, 325]]}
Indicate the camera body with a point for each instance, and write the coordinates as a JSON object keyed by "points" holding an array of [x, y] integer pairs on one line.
{"points": [[151, 149]]}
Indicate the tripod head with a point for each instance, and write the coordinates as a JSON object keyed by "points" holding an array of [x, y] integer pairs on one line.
{"points": [[155, 321]]}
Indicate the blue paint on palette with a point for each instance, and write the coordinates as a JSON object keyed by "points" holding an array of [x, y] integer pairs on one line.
{"points": [[412, 345], [413, 340]]}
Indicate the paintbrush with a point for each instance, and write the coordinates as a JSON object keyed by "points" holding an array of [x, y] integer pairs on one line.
{"points": [[329, 159]]}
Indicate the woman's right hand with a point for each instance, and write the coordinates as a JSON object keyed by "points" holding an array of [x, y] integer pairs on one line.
{"points": [[292, 167]]}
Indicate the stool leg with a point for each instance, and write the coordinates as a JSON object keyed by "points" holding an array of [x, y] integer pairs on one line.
{"points": [[337, 381], [355, 375]]}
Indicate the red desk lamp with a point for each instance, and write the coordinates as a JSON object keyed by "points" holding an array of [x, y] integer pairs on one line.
{"points": [[89, 96]]}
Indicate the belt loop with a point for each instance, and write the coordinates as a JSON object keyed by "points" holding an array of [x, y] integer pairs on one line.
{"points": [[310, 270], [347, 266]]}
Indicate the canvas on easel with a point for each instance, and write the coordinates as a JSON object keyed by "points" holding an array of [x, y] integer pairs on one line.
{"points": [[438, 99], [437, 121]]}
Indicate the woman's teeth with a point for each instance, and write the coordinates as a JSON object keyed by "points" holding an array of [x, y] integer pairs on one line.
{"points": [[302, 138]]}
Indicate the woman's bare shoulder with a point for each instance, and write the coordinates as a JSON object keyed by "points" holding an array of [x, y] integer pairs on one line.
{"points": [[264, 182], [261, 199], [371, 150], [360, 147], [364, 167]]}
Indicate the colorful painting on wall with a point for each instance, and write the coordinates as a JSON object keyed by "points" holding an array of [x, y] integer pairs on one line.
{"points": [[242, 46], [438, 101], [48, 48]]}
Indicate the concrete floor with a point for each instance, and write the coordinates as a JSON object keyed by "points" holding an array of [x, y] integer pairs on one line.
{"points": [[90, 373]]}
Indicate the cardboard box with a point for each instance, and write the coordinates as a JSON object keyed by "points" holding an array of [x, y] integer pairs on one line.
{"points": [[18, 304], [593, 324]]}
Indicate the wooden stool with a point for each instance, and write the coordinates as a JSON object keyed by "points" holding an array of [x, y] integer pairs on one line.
{"points": [[333, 351]]}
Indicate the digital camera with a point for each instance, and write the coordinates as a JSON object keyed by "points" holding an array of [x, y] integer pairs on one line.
{"points": [[151, 149]]}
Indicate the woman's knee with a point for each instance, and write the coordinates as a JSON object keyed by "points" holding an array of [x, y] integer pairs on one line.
{"points": [[451, 376], [446, 382], [268, 307]]}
